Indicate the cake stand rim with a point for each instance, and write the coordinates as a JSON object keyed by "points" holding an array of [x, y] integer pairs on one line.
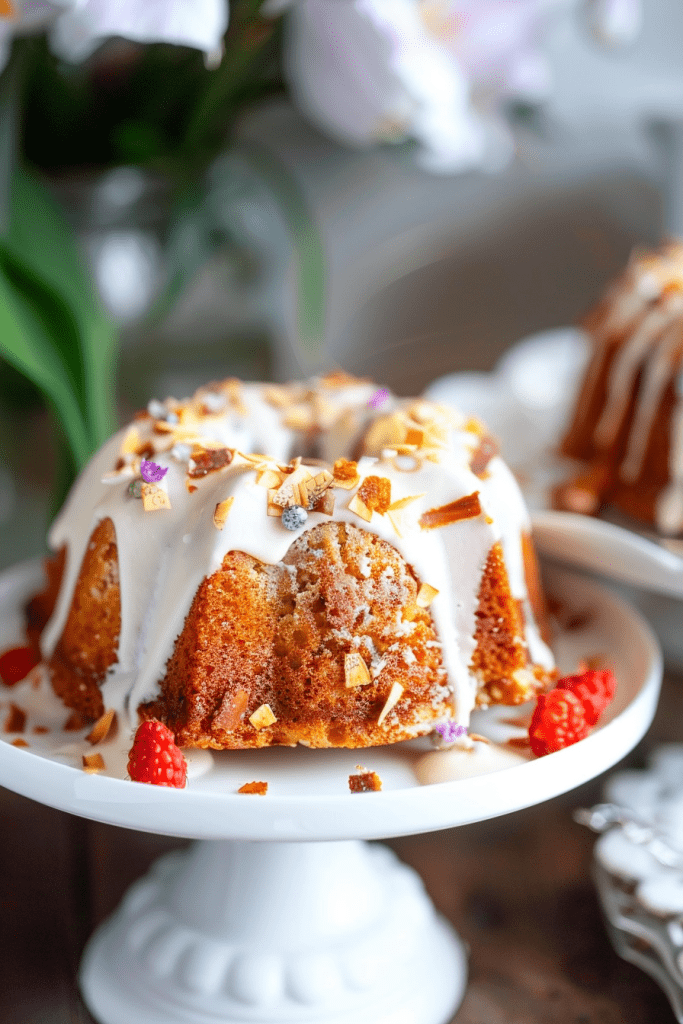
{"points": [[333, 817]]}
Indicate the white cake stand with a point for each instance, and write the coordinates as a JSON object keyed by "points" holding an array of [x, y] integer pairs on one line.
{"points": [[281, 912]]}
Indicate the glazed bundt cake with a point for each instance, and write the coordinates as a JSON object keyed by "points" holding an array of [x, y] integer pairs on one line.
{"points": [[627, 425], [370, 577]]}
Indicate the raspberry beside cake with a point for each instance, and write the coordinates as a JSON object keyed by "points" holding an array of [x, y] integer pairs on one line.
{"points": [[627, 424], [251, 600]]}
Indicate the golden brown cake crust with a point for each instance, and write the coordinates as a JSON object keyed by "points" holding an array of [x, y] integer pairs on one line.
{"points": [[279, 635], [89, 642], [500, 658]]}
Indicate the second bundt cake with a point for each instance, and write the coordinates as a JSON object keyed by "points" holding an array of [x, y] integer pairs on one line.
{"points": [[627, 424]]}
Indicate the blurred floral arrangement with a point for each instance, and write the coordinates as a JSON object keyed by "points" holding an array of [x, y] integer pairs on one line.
{"points": [[161, 83]]}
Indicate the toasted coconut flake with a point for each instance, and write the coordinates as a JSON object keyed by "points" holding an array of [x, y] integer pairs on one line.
{"points": [[93, 763], [398, 506], [479, 738], [385, 432], [358, 506], [422, 411], [16, 719], [154, 498], [365, 782], [162, 427], [345, 474], [293, 489], [375, 493], [486, 450], [467, 507], [316, 486], [209, 459], [324, 412], [221, 512], [277, 396], [131, 441], [259, 788], [117, 476], [19, 742], [475, 426], [299, 417], [356, 672], [519, 742], [40, 730], [395, 520], [104, 728], [392, 700], [425, 595], [231, 711], [233, 388], [263, 717], [269, 478], [324, 504], [340, 379]]}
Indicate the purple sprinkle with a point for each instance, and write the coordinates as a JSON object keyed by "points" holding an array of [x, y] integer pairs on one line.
{"points": [[450, 731], [379, 398], [151, 473]]}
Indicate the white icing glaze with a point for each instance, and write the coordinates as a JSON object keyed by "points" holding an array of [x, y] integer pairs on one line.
{"points": [[457, 763], [627, 362], [164, 555]]}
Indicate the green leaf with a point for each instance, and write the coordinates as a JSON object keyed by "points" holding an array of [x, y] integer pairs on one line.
{"points": [[27, 345], [307, 244], [41, 244]]}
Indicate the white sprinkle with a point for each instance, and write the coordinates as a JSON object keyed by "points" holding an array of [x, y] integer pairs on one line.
{"points": [[156, 409], [214, 402], [181, 452]]}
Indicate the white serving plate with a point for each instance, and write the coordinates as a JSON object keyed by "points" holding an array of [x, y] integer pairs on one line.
{"points": [[308, 796]]}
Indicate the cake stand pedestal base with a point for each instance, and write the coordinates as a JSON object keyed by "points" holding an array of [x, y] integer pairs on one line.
{"points": [[263, 933]]}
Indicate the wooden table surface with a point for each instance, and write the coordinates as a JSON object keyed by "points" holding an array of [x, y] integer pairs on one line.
{"points": [[516, 888]]}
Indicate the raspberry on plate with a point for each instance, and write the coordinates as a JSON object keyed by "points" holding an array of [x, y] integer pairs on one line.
{"points": [[16, 663], [558, 721], [595, 689], [155, 758]]}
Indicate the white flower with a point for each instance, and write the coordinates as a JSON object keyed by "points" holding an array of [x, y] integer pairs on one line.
{"points": [[77, 27], [615, 22], [370, 70], [498, 45]]}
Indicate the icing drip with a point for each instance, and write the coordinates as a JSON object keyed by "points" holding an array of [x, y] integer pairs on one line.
{"points": [[627, 364]]}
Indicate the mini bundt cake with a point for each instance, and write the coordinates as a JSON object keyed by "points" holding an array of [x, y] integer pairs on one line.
{"points": [[369, 578], [627, 425]]}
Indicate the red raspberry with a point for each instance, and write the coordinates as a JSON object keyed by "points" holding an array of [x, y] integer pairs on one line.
{"points": [[155, 758], [558, 721], [16, 664], [595, 689]]}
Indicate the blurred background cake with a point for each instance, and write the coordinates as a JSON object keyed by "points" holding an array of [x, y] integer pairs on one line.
{"points": [[627, 424]]}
